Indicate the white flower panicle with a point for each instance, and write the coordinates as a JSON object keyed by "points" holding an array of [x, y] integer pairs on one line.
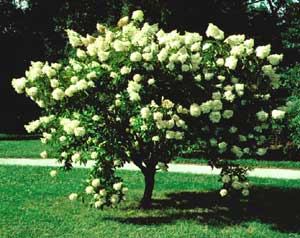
{"points": [[214, 32], [138, 15], [278, 114], [263, 51], [195, 110], [19, 84], [275, 59]]}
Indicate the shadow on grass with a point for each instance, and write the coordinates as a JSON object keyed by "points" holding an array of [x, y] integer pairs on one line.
{"points": [[276, 206]]}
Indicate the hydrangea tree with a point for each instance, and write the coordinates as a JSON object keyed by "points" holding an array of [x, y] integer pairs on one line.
{"points": [[134, 93]]}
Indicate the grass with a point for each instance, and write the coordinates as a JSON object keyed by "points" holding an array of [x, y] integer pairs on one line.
{"points": [[18, 137], [35, 205], [248, 163], [33, 148], [22, 149]]}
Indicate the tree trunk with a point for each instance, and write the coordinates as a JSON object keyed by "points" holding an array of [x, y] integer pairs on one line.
{"points": [[149, 175]]}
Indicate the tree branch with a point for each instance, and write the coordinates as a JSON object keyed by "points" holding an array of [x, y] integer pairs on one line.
{"points": [[250, 3], [271, 7], [139, 164], [281, 2]]}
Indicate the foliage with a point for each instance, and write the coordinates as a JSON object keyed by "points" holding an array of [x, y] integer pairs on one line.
{"points": [[277, 21], [135, 93], [291, 35], [291, 128]]}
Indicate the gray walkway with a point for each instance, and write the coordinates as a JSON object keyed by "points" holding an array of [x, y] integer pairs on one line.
{"points": [[180, 168]]}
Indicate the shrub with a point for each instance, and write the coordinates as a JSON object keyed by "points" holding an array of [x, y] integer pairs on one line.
{"points": [[134, 93]]}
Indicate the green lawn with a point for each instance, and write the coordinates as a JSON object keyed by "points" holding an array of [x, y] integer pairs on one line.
{"points": [[33, 148], [35, 205], [22, 149], [19, 136], [248, 162]]}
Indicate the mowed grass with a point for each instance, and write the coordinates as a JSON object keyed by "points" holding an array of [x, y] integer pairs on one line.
{"points": [[248, 163], [33, 148], [23, 149], [185, 206]]}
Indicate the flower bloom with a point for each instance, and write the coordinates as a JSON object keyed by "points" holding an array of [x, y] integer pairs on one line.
{"points": [[226, 178], [145, 112], [94, 155], [278, 114], [102, 192], [75, 157], [249, 43], [262, 115], [227, 114], [99, 203], [19, 84], [96, 182], [53, 173], [58, 94], [220, 62], [157, 116], [245, 192], [138, 15], [89, 190], [73, 196], [123, 21], [275, 59], [195, 110], [222, 146], [135, 57], [214, 32], [215, 117], [44, 154], [32, 91], [114, 199], [79, 131], [231, 62], [151, 81], [235, 40], [263, 51], [223, 192], [261, 151], [117, 186], [236, 185]]}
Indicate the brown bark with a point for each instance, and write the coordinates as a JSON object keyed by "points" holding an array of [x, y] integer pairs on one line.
{"points": [[149, 176]]}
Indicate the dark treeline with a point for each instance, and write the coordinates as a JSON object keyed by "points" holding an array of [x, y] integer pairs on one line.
{"points": [[36, 32]]}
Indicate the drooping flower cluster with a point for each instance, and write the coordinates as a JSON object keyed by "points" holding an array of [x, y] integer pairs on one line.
{"points": [[137, 93]]}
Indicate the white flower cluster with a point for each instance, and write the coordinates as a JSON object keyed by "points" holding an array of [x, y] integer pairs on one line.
{"points": [[102, 196], [263, 51], [278, 114], [214, 32], [165, 118], [19, 84], [233, 182], [34, 125], [134, 87], [262, 115], [71, 127], [74, 38]]}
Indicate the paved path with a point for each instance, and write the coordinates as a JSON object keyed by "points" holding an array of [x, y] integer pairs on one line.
{"points": [[180, 168]]}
